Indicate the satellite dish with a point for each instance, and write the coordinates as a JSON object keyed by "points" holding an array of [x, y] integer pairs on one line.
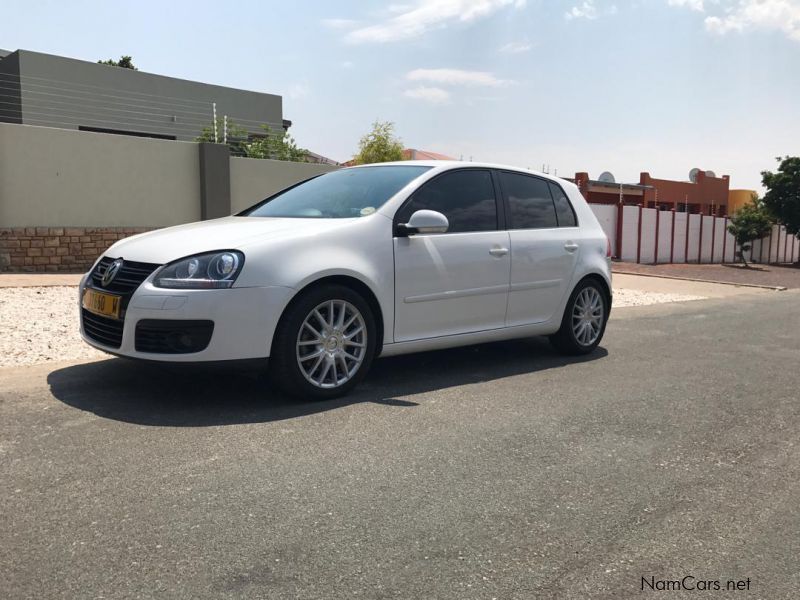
{"points": [[693, 175], [606, 177], [710, 174]]}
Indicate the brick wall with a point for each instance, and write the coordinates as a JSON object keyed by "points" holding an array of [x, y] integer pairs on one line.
{"points": [[53, 249]]}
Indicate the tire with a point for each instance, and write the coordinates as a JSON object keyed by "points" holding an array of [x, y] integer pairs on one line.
{"points": [[328, 328], [573, 338]]}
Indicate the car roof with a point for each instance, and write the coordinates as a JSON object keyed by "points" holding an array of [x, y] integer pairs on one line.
{"points": [[444, 165]]}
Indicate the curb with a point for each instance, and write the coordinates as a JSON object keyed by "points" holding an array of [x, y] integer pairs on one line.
{"points": [[775, 288]]}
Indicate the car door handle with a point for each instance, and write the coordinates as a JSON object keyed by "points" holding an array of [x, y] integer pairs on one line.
{"points": [[498, 251], [570, 246]]}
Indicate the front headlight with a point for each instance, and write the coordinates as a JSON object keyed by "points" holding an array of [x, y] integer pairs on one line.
{"points": [[203, 271]]}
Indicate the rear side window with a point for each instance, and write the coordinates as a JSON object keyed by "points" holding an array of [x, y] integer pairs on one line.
{"points": [[564, 210], [466, 198], [529, 200]]}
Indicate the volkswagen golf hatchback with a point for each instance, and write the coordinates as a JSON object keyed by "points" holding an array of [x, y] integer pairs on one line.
{"points": [[375, 260]]}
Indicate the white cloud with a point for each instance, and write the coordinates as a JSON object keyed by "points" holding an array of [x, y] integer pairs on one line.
{"points": [[404, 22], [586, 10], [515, 47], [433, 95], [744, 15], [456, 77], [691, 4], [347, 64]]}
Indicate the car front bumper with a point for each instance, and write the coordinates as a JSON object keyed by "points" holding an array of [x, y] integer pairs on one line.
{"points": [[244, 320]]}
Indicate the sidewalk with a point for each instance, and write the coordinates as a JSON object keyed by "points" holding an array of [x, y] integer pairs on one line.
{"points": [[680, 287], [769, 275], [38, 279]]}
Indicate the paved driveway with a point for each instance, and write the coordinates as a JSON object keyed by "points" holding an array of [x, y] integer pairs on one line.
{"points": [[495, 472]]}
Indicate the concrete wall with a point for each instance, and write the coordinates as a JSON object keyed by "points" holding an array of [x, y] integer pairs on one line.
{"points": [[717, 244], [252, 179], [64, 92], [65, 196], [57, 177]]}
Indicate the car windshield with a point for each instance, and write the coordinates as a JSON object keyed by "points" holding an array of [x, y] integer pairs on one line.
{"points": [[340, 194]]}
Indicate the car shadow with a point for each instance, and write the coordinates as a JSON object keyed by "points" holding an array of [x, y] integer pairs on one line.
{"points": [[195, 396]]}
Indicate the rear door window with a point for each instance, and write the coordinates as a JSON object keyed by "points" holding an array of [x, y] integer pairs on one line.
{"points": [[529, 200], [564, 211]]}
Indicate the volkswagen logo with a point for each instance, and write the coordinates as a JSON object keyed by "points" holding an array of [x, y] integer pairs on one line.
{"points": [[111, 272]]}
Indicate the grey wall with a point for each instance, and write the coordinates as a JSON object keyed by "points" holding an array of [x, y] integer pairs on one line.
{"points": [[253, 179], [60, 178], [64, 92]]}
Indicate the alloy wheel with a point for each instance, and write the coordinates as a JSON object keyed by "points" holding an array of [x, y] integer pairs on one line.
{"points": [[331, 344], [587, 316]]}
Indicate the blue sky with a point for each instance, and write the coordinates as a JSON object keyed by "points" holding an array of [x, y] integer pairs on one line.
{"points": [[589, 85]]}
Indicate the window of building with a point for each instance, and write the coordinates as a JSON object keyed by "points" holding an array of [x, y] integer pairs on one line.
{"points": [[158, 136], [529, 200], [465, 197]]}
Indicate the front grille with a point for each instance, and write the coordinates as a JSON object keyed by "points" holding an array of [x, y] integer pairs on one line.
{"points": [[106, 331], [130, 276], [167, 336]]}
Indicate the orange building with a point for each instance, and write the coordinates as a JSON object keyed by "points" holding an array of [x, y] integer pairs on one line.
{"points": [[704, 194]]}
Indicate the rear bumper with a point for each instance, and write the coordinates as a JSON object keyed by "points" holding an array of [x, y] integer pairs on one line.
{"points": [[244, 321]]}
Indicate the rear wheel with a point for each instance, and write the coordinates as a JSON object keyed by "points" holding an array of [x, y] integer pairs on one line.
{"points": [[324, 344], [584, 320]]}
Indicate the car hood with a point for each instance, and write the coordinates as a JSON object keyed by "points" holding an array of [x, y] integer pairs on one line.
{"points": [[229, 233]]}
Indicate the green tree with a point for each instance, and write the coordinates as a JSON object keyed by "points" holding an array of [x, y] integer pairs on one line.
{"points": [[379, 145], [751, 222], [126, 62], [275, 146], [237, 136], [782, 199]]}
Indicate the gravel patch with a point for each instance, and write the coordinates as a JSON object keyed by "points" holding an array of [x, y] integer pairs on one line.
{"points": [[623, 298], [40, 324]]}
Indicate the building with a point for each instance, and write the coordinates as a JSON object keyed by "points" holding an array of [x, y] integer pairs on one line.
{"points": [[704, 193], [414, 154], [738, 198], [54, 91]]}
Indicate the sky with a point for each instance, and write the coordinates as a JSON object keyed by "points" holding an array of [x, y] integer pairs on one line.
{"points": [[593, 85]]}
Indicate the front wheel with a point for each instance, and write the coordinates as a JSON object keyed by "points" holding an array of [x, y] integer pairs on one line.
{"points": [[584, 320], [324, 344]]}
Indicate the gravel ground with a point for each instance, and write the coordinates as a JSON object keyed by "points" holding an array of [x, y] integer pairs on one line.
{"points": [[40, 324], [623, 298]]}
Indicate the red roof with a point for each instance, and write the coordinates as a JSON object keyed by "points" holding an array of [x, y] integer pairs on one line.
{"points": [[412, 154]]}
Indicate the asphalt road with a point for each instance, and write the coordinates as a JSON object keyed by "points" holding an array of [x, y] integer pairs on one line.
{"points": [[495, 472]]}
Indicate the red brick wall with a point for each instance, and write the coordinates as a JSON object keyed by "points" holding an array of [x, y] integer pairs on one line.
{"points": [[49, 249]]}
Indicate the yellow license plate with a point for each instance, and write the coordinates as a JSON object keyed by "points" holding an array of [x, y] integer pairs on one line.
{"points": [[100, 303]]}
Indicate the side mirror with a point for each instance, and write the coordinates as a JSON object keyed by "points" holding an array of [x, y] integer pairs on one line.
{"points": [[424, 221]]}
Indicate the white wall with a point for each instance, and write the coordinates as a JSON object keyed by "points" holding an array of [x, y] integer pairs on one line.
{"points": [[648, 254], [607, 216], [714, 228]]}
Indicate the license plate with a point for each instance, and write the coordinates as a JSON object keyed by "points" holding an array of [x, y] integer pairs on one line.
{"points": [[100, 303]]}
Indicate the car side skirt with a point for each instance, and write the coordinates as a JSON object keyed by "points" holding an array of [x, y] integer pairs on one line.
{"points": [[467, 339]]}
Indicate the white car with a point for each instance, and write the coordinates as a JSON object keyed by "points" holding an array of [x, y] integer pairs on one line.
{"points": [[375, 260]]}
